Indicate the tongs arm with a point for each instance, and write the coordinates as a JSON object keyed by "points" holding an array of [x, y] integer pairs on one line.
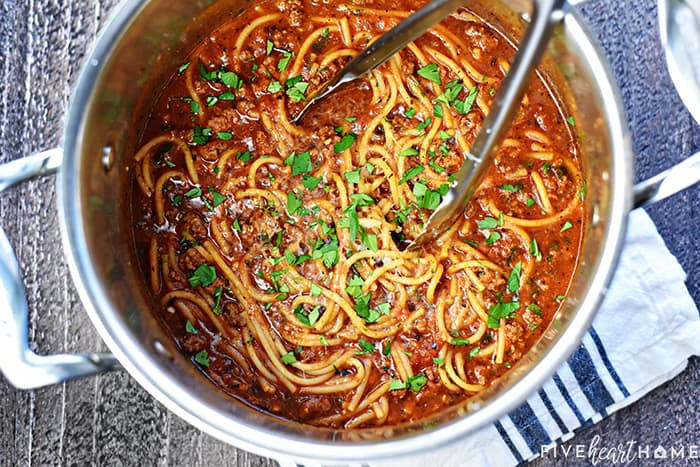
{"points": [[547, 14]]}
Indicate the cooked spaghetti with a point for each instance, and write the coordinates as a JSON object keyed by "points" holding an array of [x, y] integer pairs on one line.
{"points": [[275, 252]]}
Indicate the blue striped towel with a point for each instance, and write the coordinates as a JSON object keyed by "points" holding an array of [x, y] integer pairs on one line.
{"points": [[611, 369]]}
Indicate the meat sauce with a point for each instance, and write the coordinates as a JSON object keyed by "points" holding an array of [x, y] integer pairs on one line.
{"points": [[250, 229]]}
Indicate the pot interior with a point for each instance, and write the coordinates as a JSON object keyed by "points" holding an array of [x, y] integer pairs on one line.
{"points": [[136, 54]]}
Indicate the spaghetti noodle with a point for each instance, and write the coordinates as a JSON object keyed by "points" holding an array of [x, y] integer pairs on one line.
{"points": [[276, 253]]}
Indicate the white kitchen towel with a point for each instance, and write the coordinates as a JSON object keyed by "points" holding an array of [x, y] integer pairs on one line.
{"points": [[643, 335]]}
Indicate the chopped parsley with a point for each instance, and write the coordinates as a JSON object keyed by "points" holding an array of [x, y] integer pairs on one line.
{"points": [[284, 61], [231, 80], [293, 202], [289, 358], [427, 198], [243, 156], [535, 250], [307, 318], [216, 306], [216, 197], [431, 73], [204, 276], [367, 347], [326, 251], [301, 163], [409, 152], [236, 225], [310, 182], [488, 223], [535, 309], [200, 136], [224, 135], [474, 351], [410, 173], [194, 105], [296, 88], [396, 384], [463, 107], [195, 192], [202, 357], [354, 287], [452, 90], [493, 238], [361, 199], [514, 278], [347, 140], [353, 176], [370, 241], [274, 87], [424, 124], [189, 328], [415, 382], [501, 310], [181, 69]]}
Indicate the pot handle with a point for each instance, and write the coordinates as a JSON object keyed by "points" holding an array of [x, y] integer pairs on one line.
{"points": [[21, 366], [669, 182]]}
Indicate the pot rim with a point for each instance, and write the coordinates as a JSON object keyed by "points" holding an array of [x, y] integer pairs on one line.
{"points": [[162, 386]]}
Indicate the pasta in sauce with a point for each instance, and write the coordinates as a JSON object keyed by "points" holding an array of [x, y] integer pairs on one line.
{"points": [[275, 252]]}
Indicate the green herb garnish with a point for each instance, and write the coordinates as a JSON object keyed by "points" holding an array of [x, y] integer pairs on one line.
{"points": [[204, 276], [289, 358], [501, 310], [431, 73], [347, 141], [202, 358]]}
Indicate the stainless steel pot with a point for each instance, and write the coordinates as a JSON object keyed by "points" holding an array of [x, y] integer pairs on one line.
{"points": [[144, 41]]}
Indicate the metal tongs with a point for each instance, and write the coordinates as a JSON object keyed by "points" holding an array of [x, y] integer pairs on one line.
{"points": [[546, 15]]}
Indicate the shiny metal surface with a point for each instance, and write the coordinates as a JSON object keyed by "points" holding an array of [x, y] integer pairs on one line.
{"points": [[36, 165], [668, 182], [679, 27], [546, 15], [107, 108], [383, 48], [20, 365], [101, 262]]}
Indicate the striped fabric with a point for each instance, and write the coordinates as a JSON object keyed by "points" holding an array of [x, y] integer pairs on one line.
{"points": [[642, 336]]}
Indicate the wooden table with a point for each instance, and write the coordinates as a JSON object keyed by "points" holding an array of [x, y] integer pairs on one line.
{"points": [[109, 419]]}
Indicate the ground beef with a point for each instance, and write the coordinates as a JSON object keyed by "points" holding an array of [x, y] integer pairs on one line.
{"points": [[190, 260], [194, 225], [232, 315], [193, 343], [224, 120], [293, 9], [316, 405]]}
